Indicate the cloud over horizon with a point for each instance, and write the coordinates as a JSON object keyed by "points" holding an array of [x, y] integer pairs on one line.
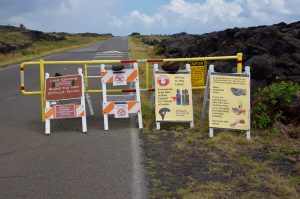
{"points": [[166, 17]]}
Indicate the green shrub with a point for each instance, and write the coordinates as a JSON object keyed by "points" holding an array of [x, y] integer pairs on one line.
{"points": [[264, 111]]}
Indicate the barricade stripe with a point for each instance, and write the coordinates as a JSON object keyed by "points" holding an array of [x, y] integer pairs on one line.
{"points": [[132, 76], [50, 113], [110, 107], [103, 74], [131, 104], [239, 61], [155, 60], [128, 61], [110, 80], [81, 114]]}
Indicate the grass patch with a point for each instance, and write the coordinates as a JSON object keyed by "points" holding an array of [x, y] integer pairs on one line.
{"points": [[42, 48]]}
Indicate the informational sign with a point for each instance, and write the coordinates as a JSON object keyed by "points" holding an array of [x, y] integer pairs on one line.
{"points": [[198, 72], [229, 104], [173, 97], [65, 111], [121, 110], [119, 79], [63, 87]]}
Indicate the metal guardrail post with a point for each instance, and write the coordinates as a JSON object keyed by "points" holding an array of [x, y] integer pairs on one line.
{"points": [[147, 75], [86, 77], [239, 62], [42, 83]]}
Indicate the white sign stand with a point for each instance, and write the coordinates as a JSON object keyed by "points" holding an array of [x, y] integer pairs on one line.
{"points": [[206, 98], [80, 110], [112, 107], [187, 69]]}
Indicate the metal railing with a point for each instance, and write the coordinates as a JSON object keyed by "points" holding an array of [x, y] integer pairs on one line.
{"points": [[238, 57]]}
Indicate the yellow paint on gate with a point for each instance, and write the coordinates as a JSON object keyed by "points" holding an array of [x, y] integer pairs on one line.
{"points": [[85, 64]]}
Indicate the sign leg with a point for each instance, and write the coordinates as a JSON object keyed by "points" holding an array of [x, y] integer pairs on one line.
{"points": [[211, 132], [84, 126], [105, 116], [140, 120], [158, 125], [47, 127], [192, 124], [89, 103], [248, 135]]}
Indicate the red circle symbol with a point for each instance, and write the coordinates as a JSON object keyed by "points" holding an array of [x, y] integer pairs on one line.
{"points": [[121, 112], [119, 78], [163, 80]]}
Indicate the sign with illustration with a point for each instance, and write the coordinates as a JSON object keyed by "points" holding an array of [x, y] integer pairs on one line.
{"points": [[229, 104], [119, 79], [173, 97], [198, 72], [121, 110], [63, 87]]}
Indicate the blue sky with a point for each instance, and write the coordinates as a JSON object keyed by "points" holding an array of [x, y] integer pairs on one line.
{"points": [[122, 17]]}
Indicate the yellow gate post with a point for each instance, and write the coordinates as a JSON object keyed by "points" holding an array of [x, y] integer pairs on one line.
{"points": [[240, 62], [42, 83]]}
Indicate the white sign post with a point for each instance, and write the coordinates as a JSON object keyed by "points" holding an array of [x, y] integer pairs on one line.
{"points": [[53, 96]]}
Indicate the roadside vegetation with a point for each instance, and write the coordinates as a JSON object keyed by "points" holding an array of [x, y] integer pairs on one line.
{"points": [[19, 44], [186, 163]]}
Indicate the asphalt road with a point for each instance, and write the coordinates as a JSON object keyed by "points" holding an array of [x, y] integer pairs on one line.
{"points": [[68, 163]]}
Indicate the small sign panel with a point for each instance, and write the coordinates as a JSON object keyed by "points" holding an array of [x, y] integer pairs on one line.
{"points": [[198, 73], [119, 79], [65, 111], [63, 87], [121, 110], [229, 104], [173, 97]]}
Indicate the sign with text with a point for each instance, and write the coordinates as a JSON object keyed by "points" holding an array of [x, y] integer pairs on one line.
{"points": [[63, 87], [65, 111], [229, 104], [173, 97], [198, 72]]}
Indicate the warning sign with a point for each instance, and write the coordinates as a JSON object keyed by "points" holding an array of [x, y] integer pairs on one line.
{"points": [[121, 110], [198, 72], [119, 79], [173, 97], [229, 105], [64, 87]]}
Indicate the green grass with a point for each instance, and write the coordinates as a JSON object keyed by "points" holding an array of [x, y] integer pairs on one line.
{"points": [[42, 48]]}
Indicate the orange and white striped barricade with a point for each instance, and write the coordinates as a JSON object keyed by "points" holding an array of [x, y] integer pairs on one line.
{"points": [[63, 88], [121, 108]]}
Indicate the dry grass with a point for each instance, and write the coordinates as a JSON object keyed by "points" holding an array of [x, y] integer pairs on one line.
{"points": [[43, 48]]}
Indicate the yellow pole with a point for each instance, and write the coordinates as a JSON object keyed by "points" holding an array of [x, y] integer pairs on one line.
{"points": [[147, 73], [42, 83], [240, 62], [86, 77]]}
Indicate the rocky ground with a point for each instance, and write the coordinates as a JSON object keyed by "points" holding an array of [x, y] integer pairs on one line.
{"points": [[273, 52]]}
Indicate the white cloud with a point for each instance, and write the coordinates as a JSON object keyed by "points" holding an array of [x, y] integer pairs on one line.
{"points": [[61, 15], [196, 17]]}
